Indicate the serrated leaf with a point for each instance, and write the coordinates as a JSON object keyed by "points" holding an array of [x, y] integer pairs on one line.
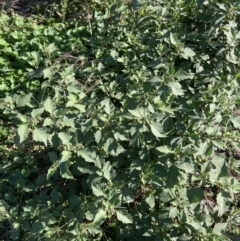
{"points": [[167, 109], [114, 53], [109, 107], [87, 155], [188, 167], [219, 228], [123, 216], [135, 113], [23, 100], [218, 144], [165, 196], [182, 75], [221, 169], [97, 190], [100, 216], [64, 137], [49, 105], [51, 171], [223, 203], [39, 134], [187, 52], [164, 149], [23, 132], [23, 118], [80, 107], [4, 207], [93, 229], [64, 170], [47, 73], [69, 70], [108, 172], [48, 122], [37, 112], [157, 129], [172, 40], [176, 88], [236, 121], [173, 212], [150, 200], [118, 136]]}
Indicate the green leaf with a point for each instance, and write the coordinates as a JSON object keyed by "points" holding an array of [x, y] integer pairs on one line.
{"points": [[48, 122], [186, 166], [38, 227], [87, 155], [23, 100], [109, 107], [172, 40], [23, 118], [15, 231], [135, 113], [219, 228], [164, 149], [182, 75], [52, 170], [37, 112], [97, 190], [150, 200], [157, 129], [114, 53], [47, 73], [23, 132], [223, 201], [176, 88], [123, 216], [65, 138], [108, 172], [39, 134], [187, 52], [64, 165], [49, 105], [100, 216], [236, 121], [173, 212], [221, 169], [93, 229], [4, 207]]}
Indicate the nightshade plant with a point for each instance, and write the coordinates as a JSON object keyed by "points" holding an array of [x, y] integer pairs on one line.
{"points": [[123, 126]]}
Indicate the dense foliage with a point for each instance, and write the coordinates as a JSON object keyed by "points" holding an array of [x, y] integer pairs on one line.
{"points": [[123, 124]]}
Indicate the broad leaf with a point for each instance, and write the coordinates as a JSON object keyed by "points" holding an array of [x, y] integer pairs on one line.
{"points": [[223, 203], [123, 216], [236, 121], [157, 129], [176, 88], [219, 228], [23, 99], [37, 112], [39, 134], [23, 132], [150, 200], [187, 52], [65, 138], [100, 216], [109, 107], [87, 155], [97, 190], [49, 105]]}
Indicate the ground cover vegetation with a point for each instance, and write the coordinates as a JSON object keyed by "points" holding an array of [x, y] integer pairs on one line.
{"points": [[120, 120]]}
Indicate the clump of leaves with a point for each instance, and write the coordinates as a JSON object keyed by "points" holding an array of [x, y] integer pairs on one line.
{"points": [[132, 135]]}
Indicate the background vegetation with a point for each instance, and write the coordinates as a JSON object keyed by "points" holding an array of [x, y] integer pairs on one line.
{"points": [[119, 120]]}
